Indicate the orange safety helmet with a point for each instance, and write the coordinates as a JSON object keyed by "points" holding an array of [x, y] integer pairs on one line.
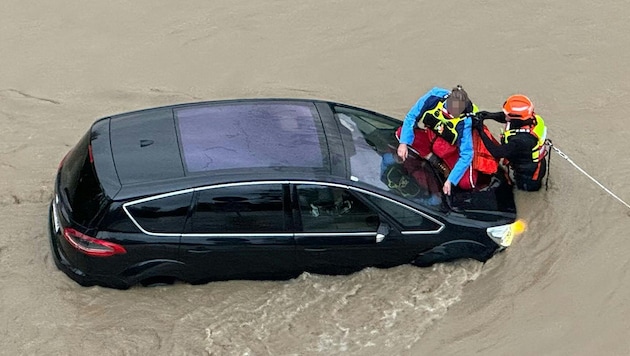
{"points": [[518, 107]]}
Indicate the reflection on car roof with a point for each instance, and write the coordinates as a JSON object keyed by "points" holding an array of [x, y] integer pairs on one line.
{"points": [[250, 135]]}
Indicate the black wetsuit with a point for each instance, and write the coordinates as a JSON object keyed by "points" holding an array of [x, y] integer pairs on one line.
{"points": [[518, 152]]}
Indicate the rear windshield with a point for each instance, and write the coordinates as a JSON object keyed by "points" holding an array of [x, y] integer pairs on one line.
{"points": [[251, 135], [79, 186]]}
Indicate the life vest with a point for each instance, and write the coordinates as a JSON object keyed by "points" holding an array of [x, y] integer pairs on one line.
{"points": [[539, 131], [435, 120], [483, 160]]}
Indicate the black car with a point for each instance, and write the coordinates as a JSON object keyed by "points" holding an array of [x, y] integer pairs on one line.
{"points": [[259, 189]]}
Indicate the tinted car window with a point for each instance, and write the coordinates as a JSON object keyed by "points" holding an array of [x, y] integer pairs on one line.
{"points": [[333, 209], [408, 219], [248, 135], [239, 209], [80, 187], [162, 215]]}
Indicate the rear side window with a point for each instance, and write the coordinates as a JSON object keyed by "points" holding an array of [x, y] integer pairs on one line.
{"points": [[78, 183], [165, 214], [239, 209]]}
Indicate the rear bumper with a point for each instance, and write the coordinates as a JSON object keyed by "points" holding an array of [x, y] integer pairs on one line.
{"points": [[64, 265]]}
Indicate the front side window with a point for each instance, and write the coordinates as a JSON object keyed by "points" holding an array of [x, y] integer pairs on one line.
{"points": [[409, 219], [333, 209], [166, 214], [239, 209]]}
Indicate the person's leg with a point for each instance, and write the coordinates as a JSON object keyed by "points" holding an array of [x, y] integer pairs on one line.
{"points": [[469, 180], [527, 183], [448, 153]]}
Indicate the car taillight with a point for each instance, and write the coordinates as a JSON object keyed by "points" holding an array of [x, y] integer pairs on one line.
{"points": [[90, 154], [91, 246]]}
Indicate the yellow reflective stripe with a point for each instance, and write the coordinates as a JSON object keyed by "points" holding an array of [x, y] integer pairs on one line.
{"points": [[536, 154], [508, 133], [540, 132]]}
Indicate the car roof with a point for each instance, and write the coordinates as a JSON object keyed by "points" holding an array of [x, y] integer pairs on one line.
{"points": [[181, 145]]}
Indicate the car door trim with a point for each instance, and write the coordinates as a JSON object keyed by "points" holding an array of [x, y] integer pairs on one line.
{"points": [[216, 186]]}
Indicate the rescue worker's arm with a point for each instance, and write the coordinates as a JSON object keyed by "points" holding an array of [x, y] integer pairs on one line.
{"points": [[465, 153], [496, 116], [498, 150]]}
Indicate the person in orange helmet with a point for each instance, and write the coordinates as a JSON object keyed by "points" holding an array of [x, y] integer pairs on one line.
{"points": [[522, 145]]}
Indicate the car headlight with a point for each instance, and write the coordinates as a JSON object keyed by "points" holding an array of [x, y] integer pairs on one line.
{"points": [[504, 234]]}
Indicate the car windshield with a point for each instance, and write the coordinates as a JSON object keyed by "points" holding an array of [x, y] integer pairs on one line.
{"points": [[373, 158]]}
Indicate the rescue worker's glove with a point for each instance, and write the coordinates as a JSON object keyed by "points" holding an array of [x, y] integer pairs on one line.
{"points": [[482, 115], [477, 123], [496, 116]]}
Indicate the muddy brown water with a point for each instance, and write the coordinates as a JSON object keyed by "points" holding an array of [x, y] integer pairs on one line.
{"points": [[561, 289]]}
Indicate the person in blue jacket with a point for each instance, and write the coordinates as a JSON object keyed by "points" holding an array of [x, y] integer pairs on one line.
{"points": [[439, 128]]}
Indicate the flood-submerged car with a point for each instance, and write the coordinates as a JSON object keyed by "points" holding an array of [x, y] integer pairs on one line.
{"points": [[259, 189]]}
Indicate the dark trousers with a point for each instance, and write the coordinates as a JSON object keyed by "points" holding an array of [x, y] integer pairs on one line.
{"points": [[527, 183]]}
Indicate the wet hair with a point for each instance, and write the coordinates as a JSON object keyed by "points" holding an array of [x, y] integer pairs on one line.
{"points": [[459, 95]]}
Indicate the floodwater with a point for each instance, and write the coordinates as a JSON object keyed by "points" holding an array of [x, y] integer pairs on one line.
{"points": [[561, 289]]}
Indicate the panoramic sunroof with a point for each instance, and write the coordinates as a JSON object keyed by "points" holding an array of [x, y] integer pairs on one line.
{"points": [[250, 135]]}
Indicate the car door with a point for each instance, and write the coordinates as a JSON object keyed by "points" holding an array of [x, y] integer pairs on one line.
{"points": [[337, 232], [240, 231], [160, 220], [420, 231]]}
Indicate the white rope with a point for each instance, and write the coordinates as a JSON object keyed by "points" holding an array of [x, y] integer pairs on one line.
{"points": [[563, 155]]}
